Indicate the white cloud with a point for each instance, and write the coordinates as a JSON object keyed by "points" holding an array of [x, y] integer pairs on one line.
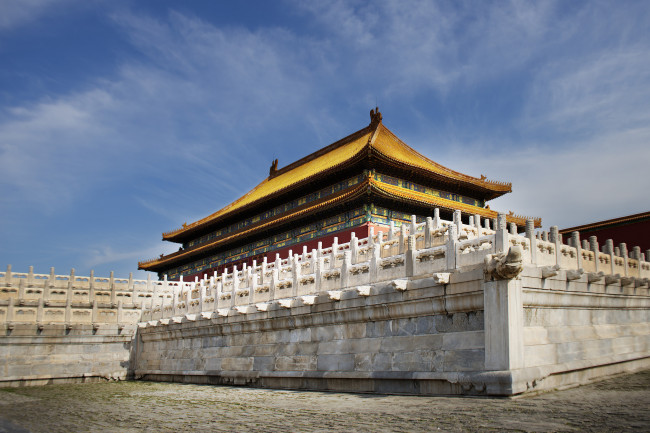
{"points": [[101, 255], [407, 47], [573, 184], [15, 13], [605, 90]]}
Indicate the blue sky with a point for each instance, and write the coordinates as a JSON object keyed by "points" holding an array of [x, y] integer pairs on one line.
{"points": [[121, 119]]}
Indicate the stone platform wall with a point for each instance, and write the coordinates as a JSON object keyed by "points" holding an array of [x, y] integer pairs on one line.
{"points": [[575, 331], [69, 328], [417, 341], [54, 354], [434, 308]]}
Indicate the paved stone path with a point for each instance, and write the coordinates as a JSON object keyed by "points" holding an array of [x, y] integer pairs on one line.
{"points": [[619, 404]]}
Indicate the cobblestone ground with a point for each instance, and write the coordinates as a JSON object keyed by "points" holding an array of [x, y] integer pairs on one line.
{"points": [[619, 404]]}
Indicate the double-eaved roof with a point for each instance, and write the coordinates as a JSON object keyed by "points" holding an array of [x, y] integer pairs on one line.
{"points": [[374, 141], [375, 145]]}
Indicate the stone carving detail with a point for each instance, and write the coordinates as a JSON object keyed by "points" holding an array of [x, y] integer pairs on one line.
{"points": [[504, 266], [574, 274], [550, 271], [400, 285], [593, 277], [441, 277]]}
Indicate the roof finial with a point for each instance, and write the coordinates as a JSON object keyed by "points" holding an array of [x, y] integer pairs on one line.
{"points": [[274, 167], [375, 116]]}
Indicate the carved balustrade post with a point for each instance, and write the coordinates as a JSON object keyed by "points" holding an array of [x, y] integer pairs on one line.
{"points": [[530, 234], [428, 229], [501, 235], [21, 291], [8, 276], [452, 239], [557, 240], [458, 221], [345, 269], [575, 241], [593, 246], [274, 281], [91, 286], [623, 248], [314, 260], [113, 290], [609, 249], [335, 247], [30, 277], [402, 239], [218, 292], [235, 286], [295, 271], [354, 248], [318, 271], [201, 296], [264, 268], [175, 296], [375, 259], [410, 256]]}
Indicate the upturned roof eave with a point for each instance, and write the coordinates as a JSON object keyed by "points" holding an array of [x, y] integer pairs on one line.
{"points": [[182, 256]]}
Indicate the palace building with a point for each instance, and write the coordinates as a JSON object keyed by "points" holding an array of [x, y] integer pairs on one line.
{"points": [[367, 179]]}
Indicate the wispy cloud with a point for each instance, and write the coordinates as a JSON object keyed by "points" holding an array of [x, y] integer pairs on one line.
{"points": [[549, 95], [18, 12]]}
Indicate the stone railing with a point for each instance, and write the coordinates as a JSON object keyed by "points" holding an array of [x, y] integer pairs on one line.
{"points": [[44, 299], [435, 247]]}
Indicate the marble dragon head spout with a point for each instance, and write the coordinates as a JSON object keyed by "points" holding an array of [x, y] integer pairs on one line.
{"points": [[504, 266]]}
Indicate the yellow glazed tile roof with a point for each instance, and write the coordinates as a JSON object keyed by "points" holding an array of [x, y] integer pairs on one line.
{"points": [[393, 148], [287, 178], [343, 195], [374, 139]]}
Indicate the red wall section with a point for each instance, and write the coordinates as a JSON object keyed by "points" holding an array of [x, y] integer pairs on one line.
{"points": [[633, 234]]}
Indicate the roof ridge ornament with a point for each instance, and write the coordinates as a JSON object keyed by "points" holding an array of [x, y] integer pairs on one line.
{"points": [[274, 168], [375, 117]]}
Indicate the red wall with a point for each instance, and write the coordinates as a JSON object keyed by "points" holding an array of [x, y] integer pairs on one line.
{"points": [[632, 234]]}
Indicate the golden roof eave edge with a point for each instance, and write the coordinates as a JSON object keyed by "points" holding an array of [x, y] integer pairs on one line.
{"points": [[467, 209], [501, 187]]}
